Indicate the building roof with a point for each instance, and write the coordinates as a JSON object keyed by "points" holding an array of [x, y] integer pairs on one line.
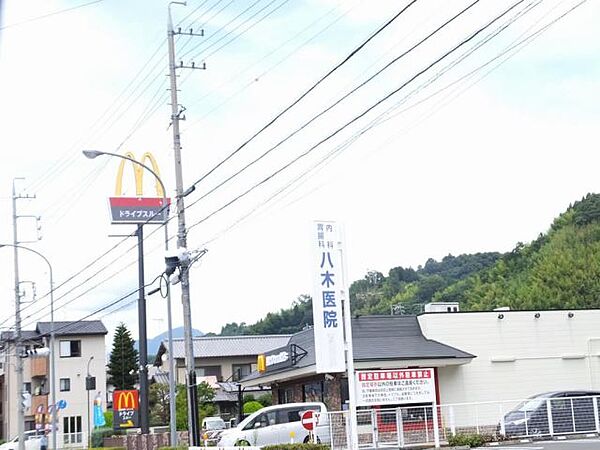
{"points": [[25, 334], [377, 338], [72, 328], [222, 346], [42, 329]]}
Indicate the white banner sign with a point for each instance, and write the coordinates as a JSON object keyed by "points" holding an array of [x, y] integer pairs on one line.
{"points": [[327, 299], [395, 387]]}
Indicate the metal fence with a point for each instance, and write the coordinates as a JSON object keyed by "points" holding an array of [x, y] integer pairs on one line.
{"points": [[434, 425]]}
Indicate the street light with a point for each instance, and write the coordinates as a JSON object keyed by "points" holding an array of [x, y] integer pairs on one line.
{"points": [[87, 388], [52, 349], [91, 154]]}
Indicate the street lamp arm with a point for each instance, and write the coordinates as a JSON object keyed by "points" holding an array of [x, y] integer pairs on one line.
{"points": [[32, 251]]}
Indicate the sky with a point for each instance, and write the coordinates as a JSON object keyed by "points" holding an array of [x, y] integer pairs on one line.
{"points": [[475, 152]]}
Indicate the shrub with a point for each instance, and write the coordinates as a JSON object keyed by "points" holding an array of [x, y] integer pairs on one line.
{"points": [[251, 407], [298, 446], [108, 418], [265, 399], [470, 439], [99, 434], [249, 398], [173, 448]]}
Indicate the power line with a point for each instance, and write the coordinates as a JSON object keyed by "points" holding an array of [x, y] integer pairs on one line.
{"points": [[352, 91], [353, 120], [45, 16], [518, 44], [303, 95], [279, 62], [235, 28]]}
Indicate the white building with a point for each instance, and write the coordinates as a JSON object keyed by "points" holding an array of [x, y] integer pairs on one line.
{"points": [[78, 345], [519, 353]]}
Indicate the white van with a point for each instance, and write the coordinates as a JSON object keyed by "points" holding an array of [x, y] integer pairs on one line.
{"points": [[278, 424]]}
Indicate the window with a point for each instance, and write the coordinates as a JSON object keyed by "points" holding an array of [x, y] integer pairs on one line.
{"points": [[312, 392], [285, 395], [70, 349], [263, 420], [209, 371], [65, 384], [240, 371], [27, 387], [72, 430]]}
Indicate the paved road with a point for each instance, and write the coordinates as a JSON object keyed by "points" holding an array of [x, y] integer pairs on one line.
{"points": [[572, 444]]}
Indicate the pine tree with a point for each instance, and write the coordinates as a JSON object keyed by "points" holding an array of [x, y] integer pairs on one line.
{"points": [[123, 362]]}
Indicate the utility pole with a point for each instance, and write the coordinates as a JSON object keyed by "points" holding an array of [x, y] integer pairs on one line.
{"points": [[193, 426], [18, 337]]}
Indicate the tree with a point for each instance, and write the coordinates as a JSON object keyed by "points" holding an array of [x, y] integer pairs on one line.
{"points": [[265, 399], [158, 399], [205, 396], [123, 363]]}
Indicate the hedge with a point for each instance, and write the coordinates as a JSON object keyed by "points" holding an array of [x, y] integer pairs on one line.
{"points": [[298, 446], [470, 439]]}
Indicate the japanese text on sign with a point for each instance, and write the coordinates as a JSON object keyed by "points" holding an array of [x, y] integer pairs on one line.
{"points": [[327, 307], [395, 387]]}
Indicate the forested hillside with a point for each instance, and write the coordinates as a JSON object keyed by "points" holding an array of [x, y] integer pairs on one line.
{"points": [[560, 269]]}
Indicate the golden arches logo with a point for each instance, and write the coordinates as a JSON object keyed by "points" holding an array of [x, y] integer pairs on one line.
{"points": [[261, 363], [127, 400], [138, 174]]}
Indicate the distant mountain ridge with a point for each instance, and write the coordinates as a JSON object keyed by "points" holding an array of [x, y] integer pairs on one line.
{"points": [[558, 270], [154, 342]]}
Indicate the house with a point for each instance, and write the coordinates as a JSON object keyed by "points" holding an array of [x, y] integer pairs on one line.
{"points": [[79, 348], [228, 358], [221, 361]]}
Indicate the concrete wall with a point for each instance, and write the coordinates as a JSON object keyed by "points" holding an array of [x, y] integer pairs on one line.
{"points": [[517, 356]]}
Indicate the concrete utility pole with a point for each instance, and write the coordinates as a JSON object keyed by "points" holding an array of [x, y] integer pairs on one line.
{"points": [[193, 425], [18, 337]]}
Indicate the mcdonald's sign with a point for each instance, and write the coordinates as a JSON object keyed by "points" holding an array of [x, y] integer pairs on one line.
{"points": [[126, 407], [138, 209]]}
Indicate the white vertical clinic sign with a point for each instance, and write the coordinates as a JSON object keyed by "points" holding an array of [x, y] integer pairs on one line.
{"points": [[327, 299]]}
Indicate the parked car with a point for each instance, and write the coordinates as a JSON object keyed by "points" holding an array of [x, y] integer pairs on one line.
{"points": [[32, 442], [213, 423], [212, 427], [570, 412], [277, 424]]}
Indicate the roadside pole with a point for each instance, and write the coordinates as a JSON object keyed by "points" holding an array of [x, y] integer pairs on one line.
{"points": [[347, 315]]}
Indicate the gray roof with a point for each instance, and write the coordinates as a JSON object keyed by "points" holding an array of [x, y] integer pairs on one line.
{"points": [[60, 329], [25, 334], [72, 328], [220, 346], [379, 338]]}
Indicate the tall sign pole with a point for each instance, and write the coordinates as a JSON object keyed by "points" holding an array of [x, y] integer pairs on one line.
{"points": [[349, 349], [331, 312], [138, 210], [182, 240]]}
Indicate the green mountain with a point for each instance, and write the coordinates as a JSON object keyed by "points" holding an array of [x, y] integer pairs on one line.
{"points": [[560, 269]]}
